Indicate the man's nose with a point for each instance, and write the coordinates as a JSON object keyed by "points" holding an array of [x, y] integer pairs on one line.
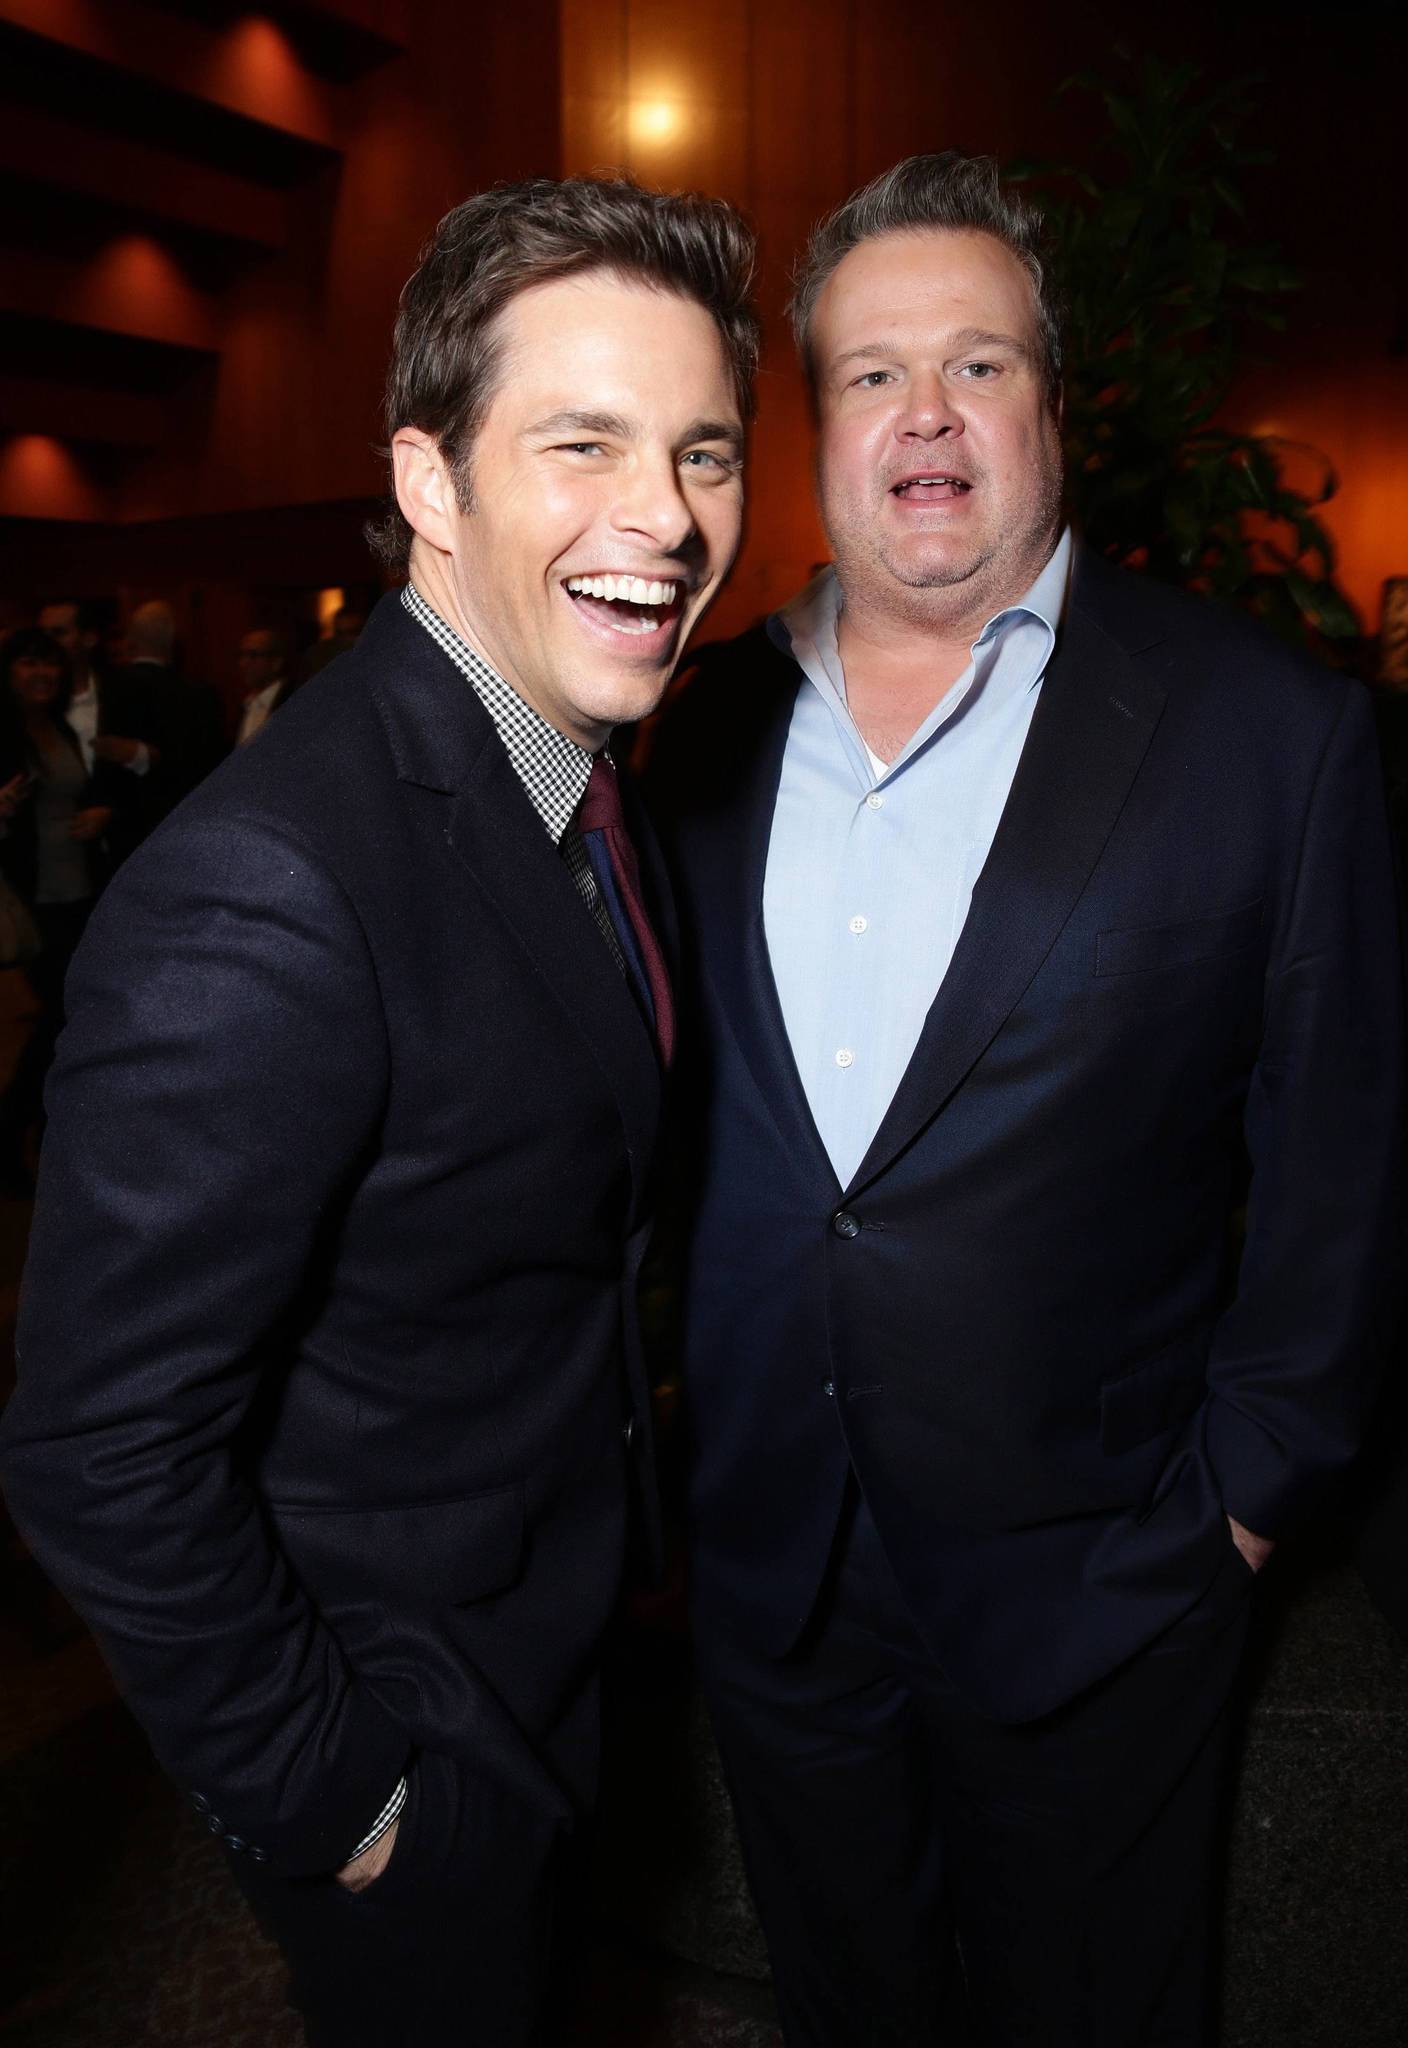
{"points": [[929, 412], [651, 503]]}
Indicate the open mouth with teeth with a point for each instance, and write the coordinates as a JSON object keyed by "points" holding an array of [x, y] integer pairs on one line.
{"points": [[627, 604], [930, 489]]}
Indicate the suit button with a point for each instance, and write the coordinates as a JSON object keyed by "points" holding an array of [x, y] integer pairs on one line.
{"points": [[828, 1387], [628, 1429], [234, 1842], [260, 1855], [215, 1824], [201, 1804], [845, 1224]]}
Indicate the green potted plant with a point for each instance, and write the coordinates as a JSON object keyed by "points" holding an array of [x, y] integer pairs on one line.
{"points": [[1166, 288]]}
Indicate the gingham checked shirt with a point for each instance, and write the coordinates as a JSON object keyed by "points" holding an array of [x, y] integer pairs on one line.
{"points": [[553, 769]]}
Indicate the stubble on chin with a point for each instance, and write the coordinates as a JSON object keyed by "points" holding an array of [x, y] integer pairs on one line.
{"points": [[949, 590]]}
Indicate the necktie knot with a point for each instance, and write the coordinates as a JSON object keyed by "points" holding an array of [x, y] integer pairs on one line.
{"points": [[601, 805]]}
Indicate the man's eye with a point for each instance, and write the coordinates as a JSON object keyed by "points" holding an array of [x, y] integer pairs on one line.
{"points": [[979, 372], [869, 379], [581, 448], [705, 458]]}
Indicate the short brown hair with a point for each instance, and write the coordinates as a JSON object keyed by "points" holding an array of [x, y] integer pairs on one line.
{"points": [[942, 191], [445, 355]]}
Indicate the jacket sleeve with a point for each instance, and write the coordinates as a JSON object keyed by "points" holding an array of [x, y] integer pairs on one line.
{"points": [[1296, 1359], [216, 1088]]}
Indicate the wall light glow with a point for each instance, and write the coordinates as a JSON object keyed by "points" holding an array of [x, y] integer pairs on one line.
{"points": [[655, 120]]}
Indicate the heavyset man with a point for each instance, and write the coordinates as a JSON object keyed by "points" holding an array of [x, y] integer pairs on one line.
{"points": [[329, 1383], [1027, 905]]}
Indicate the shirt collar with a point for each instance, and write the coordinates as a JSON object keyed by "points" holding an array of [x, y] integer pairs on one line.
{"points": [[806, 629], [553, 769]]}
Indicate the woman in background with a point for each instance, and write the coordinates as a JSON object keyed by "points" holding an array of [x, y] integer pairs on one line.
{"points": [[51, 853]]}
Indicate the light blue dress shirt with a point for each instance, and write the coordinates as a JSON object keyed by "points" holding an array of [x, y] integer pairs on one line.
{"points": [[871, 867]]}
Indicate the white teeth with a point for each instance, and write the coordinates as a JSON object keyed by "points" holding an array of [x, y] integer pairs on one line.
{"points": [[623, 589]]}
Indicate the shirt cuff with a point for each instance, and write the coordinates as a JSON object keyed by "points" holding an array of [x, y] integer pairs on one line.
{"points": [[141, 761], [391, 1811]]}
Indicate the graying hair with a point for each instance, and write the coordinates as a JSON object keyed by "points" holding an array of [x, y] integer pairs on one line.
{"points": [[944, 191]]}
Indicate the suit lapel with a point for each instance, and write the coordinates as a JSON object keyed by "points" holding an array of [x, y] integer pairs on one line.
{"points": [[500, 839], [443, 740], [1093, 723], [736, 948]]}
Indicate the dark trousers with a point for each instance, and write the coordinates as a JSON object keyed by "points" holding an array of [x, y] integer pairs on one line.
{"points": [[451, 1947], [893, 1837]]}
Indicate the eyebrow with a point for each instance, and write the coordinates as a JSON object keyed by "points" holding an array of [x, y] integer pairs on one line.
{"points": [[612, 423], [569, 422], [727, 431], [966, 337]]}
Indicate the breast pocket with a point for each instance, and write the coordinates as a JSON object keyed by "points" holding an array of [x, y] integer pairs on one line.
{"points": [[1151, 949]]}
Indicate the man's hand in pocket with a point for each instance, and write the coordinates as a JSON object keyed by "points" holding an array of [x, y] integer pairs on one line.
{"points": [[1255, 1549], [367, 1868]]}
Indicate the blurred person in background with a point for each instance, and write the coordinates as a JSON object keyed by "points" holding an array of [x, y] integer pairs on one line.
{"points": [[347, 623], [114, 717], [264, 676], [52, 853], [189, 722]]}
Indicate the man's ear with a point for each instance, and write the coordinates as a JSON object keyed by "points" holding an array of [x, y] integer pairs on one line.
{"points": [[425, 490]]}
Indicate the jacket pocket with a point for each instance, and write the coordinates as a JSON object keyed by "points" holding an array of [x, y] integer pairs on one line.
{"points": [[426, 1554], [1155, 1395], [1149, 947]]}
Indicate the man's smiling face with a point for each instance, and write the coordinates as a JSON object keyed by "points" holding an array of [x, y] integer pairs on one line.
{"points": [[607, 498], [940, 457]]}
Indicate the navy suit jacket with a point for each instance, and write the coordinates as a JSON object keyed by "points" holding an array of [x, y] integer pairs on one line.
{"points": [[327, 1338], [1023, 1323]]}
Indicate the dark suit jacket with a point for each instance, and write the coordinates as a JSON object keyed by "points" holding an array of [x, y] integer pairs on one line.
{"points": [[328, 1337], [1018, 1322]]}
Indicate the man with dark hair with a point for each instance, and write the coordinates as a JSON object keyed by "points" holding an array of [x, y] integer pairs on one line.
{"points": [[331, 1394], [1027, 907]]}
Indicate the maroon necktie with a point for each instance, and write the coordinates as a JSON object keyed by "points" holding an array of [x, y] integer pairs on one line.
{"points": [[602, 825]]}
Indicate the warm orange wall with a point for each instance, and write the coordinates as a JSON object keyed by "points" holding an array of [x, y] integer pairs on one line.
{"points": [[290, 416], [1356, 415], [784, 107]]}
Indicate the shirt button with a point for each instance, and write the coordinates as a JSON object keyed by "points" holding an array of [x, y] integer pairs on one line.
{"points": [[845, 1224], [875, 802], [828, 1387], [845, 1057], [860, 924]]}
